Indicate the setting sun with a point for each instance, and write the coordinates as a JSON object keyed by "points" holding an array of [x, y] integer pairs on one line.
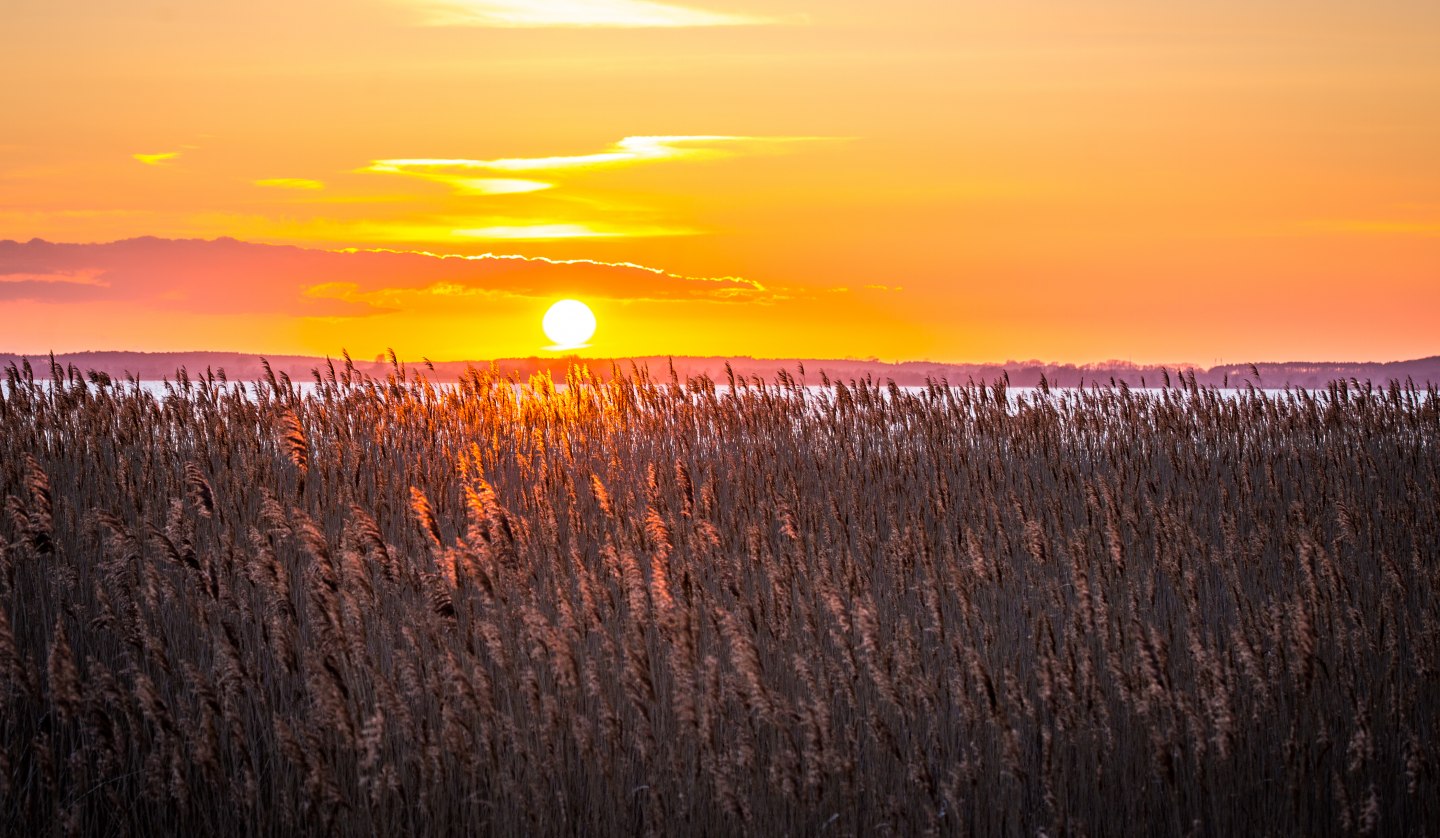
{"points": [[569, 323]]}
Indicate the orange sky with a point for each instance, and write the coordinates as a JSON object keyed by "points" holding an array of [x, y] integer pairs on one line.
{"points": [[944, 179]]}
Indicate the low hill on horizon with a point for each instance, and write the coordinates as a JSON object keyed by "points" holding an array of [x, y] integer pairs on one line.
{"points": [[238, 366]]}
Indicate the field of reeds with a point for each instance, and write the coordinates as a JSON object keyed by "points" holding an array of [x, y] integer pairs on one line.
{"points": [[630, 606]]}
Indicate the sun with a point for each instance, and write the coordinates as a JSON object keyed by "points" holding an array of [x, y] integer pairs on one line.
{"points": [[569, 323]]}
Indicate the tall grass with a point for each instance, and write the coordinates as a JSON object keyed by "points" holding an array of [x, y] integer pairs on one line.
{"points": [[632, 606]]}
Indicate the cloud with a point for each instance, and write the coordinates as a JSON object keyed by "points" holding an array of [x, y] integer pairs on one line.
{"points": [[550, 232], [223, 276], [89, 276], [469, 177], [55, 285], [424, 231], [627, 152], [557, 219], [157, 159], [541, 277], [290, 183], [497, 186], [459, 175], [226, 276], [629, 14]]}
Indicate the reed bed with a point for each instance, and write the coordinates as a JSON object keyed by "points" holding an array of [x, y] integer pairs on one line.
{"points": [[631, 606]]}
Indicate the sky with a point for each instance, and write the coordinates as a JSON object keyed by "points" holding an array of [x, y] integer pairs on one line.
{"points": [[952, 180]]}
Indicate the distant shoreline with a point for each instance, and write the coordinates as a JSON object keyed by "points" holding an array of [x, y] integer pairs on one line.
{"points": [[236, 366]]}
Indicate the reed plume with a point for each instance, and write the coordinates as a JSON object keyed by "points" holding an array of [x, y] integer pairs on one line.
{"points": [[657, 605]]}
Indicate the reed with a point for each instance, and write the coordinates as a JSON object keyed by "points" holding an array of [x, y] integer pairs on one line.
{"points": [[666, 607]]}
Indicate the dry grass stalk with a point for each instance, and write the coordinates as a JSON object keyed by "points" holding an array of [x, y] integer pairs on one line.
{"points": [[968, 609]]}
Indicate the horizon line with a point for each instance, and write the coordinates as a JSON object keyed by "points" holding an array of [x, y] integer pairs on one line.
{"points": [[1108, 363]]}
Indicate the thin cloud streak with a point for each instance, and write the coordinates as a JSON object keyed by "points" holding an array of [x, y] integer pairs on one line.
{"points": [[548, 232], [626, 152], [546, 260], [156, 159], [290, 183], [461, 182], [466, 177], [457, 229], [76, 277], [622, 14], [496, 186]]}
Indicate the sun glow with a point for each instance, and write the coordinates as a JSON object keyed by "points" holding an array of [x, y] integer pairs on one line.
{"points": [[569, 323]]}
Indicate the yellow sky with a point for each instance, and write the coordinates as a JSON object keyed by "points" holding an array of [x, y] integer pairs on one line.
{"points": [[1055, 179]]}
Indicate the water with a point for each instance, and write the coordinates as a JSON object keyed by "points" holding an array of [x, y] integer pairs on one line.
{"points": [[162, 390]]}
